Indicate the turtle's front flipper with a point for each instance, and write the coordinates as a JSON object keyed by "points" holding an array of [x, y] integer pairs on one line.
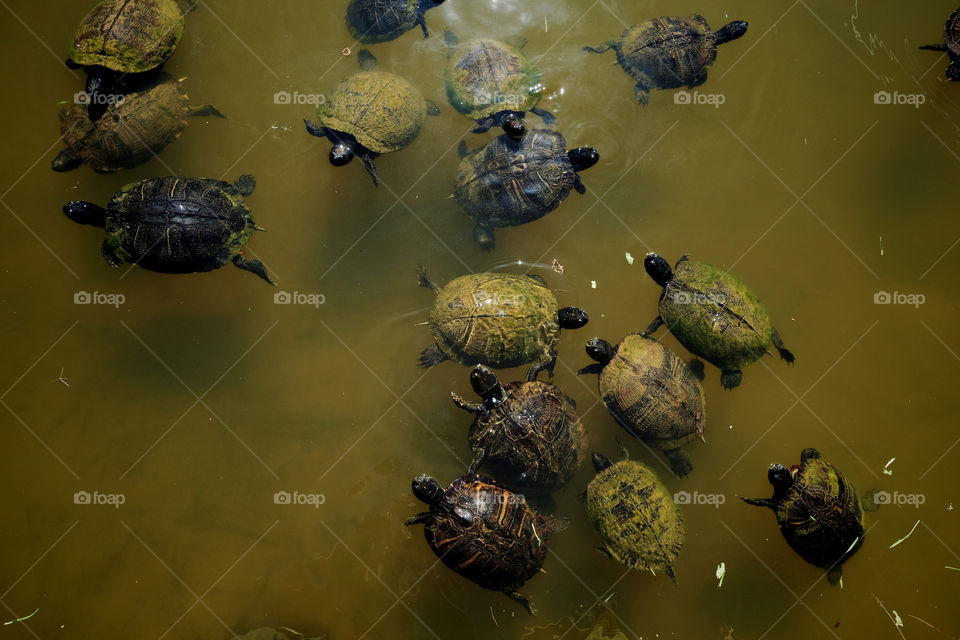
{"points": [[314, 129], [653, 326], [642, 93], [545, 363], [835, 575], [594, 368], [366, 60], [432, 355], [66, 160], [244, 185], [367, 160], [669, 571], [679, 462], [483, 125], [699, 80], [432, 108], [696, 366], [578, 185], [472, 407], [778, 343], [254, 266], [933, 47], [417, 519], [205, 110], [107, 252], [423, 25], [868, 501], [522, 599], [760, 502], [548, 118], [603, 48], [731, 378]]}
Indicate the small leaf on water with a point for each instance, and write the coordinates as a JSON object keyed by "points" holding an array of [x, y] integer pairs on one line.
{"points": [[721, 571], [906, 536], [896, 618], [629, 258]]}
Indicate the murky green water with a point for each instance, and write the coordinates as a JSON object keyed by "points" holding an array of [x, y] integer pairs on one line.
{"points": [[198, 398]]}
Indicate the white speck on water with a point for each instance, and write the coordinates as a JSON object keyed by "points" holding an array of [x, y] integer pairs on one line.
{"points": [[593, 284]]}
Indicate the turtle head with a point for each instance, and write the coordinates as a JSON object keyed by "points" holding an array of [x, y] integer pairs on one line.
{"points": [[731, 31], [572, 318], [600, 462], [600, 350], [86, 213], [66, 160], [483, 236], [583, 158], [513, 125], [658, 269], [427, 490], [486, 385], [780, 477], [341, 153], [953, 71]]}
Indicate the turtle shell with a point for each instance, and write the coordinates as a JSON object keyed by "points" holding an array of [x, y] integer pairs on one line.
{"points": [[487, 534], [373, 21], [653, 394], [533, 441], [129, 132], [126, 36], [383, 111], [177, 225], [635, 517], [510, 182], [951, 33], [497, 319], [668, 52], [713, 314], [485, 77]]}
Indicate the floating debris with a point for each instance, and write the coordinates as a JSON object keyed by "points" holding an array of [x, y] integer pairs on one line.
{"points": [[906, 536], [886, 468], [345, 51], [557, 266], [593, 284], [26, 617], [629, 258], [951, 568], [881, 245], [721, 571]]}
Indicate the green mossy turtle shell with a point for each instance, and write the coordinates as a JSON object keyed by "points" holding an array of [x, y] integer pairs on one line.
{"points": [[485, 77], [127, 36], [500, 320], [383, 111], [635, 517], [668, 51], [374, 21], [713, 314]]}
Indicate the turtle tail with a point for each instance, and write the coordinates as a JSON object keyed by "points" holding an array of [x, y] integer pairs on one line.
{"points": [[86, 213]]}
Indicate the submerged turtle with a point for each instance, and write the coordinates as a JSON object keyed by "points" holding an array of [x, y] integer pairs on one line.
{"points": [[484, 532], [669, 52], [373, 21], [713, 314], [131, 131], [497, 319], [370, 113], [510, 182], [527, 434], [818, 511], [651, 393], [175, 225], [951, 45], [493, 83], [634, 515], [120, 37]]}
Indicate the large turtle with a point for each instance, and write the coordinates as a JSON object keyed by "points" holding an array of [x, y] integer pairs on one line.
{"points": [[493, 83], [818, 510], [713, 314], [131, 131], [634, 515], [373, 21], [175, 225], [527, 434], [669, 52], [497, 319], [509, 182], [651, 393], [370, 113], [951, 45], [484, 532], [121, 37]]}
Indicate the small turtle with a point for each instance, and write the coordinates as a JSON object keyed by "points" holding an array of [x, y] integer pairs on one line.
{"points": [[370, 113], [493, 83], [497, 319], [175, 225], [527, 434], [713, 314], [373, 21], [669, 52], [818, 510], [510, 182], [131, 131], [651, 393], [120, 37], [634, 515], [951, 45], [484, 532]]}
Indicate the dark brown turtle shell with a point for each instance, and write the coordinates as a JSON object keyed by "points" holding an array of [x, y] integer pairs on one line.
{"points": [[951, 34], [668, 52]]}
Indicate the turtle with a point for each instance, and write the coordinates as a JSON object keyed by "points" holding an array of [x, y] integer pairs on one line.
{"points": [[483, 532], [510, 182], [669, 52], [370, 113], [636, 518], [819, 512], [713, 314], [131, 131], [497, 319], [373, 21], [493, 83], [527, 434], [652, 393], [120, 37], [175, 225], [951, 45]]}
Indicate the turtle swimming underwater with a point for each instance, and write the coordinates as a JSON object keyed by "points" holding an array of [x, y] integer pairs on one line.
{"points": [[951, 45], [373, 21]]}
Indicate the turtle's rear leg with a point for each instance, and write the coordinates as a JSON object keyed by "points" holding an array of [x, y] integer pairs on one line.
{"points": [[245, 185], [545, 363], [107, 252], [432, 355], [641, 91], [731, 379], [680, 462], [603, 48], [547, 117], [522, 599], [699, 80], [653, 327], [934, 47], [423, 280], [417, 519], [254, 266], [778, 343]]}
